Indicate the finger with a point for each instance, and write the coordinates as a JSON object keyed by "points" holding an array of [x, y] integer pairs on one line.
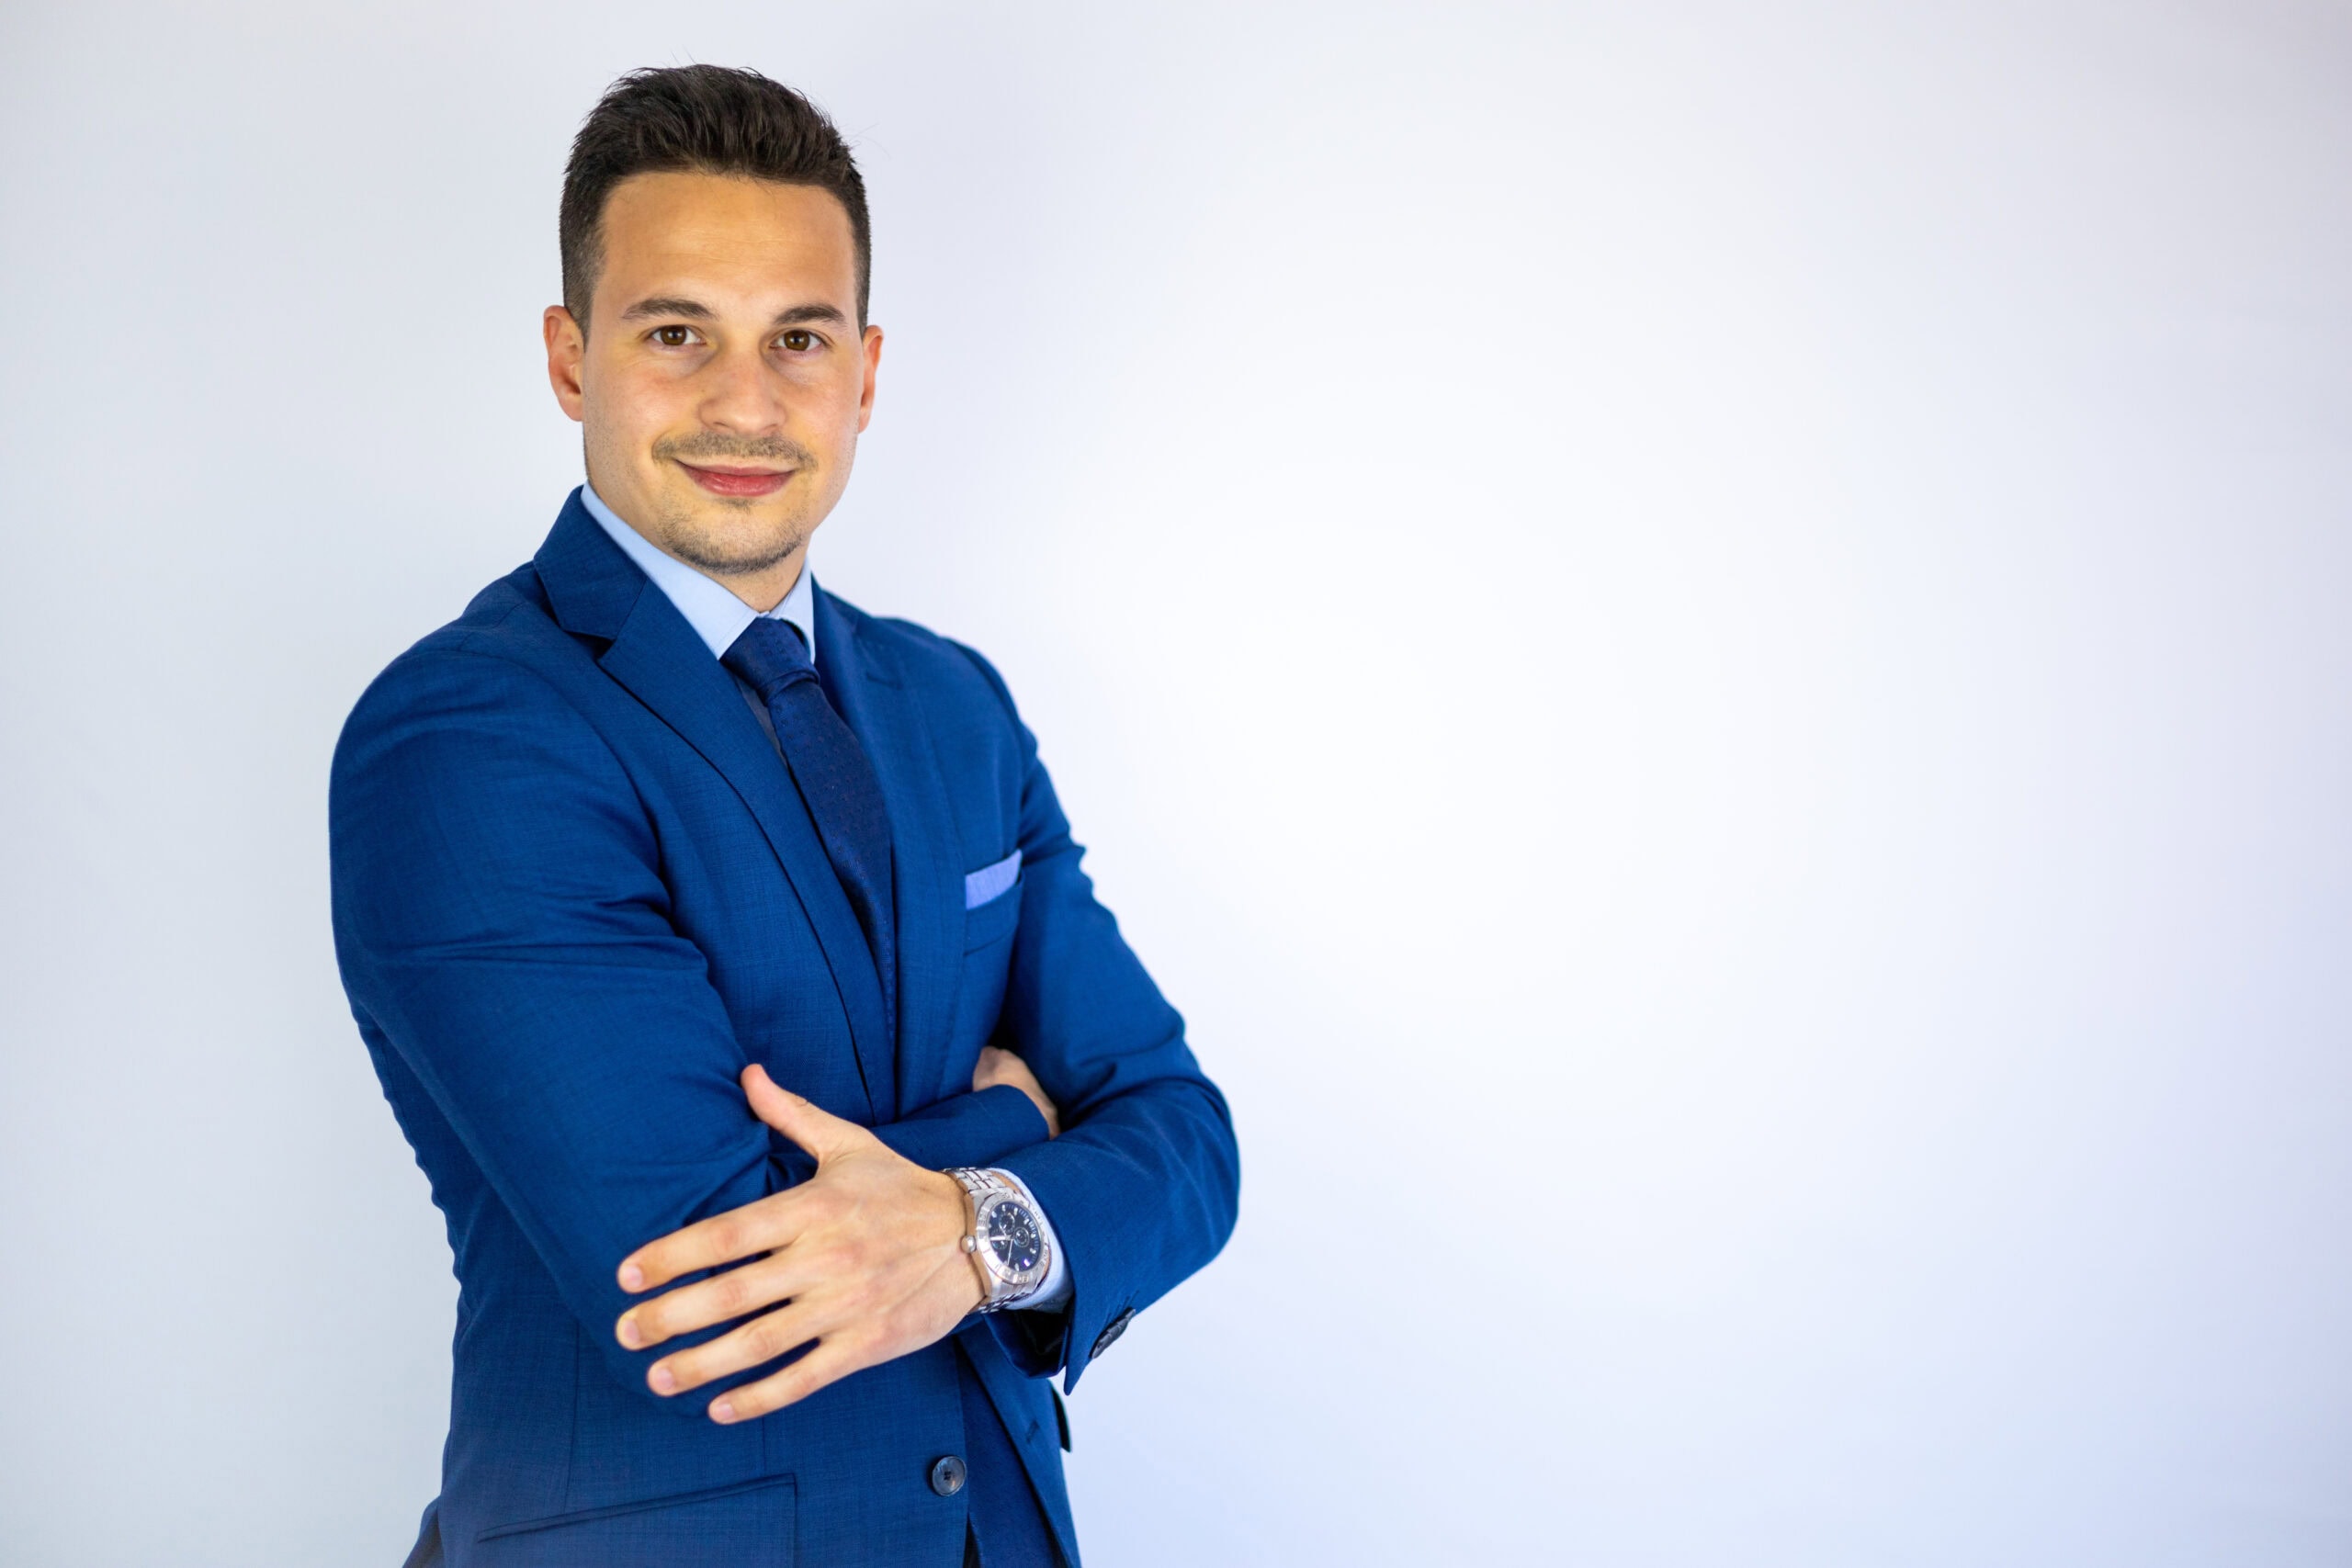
{"points": [[998, 1066], [834, 1359], [723, 1298], [988, 1071], [760, 1227], [906, 1299], [819, 1131], [763, 1339], [857, 1338], [716, 1300]]}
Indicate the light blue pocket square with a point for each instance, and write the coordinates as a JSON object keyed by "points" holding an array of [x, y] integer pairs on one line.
{"points": [[991, 882]]}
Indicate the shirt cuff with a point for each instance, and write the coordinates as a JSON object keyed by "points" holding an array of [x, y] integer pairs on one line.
{"points": [[1054, 1294]]}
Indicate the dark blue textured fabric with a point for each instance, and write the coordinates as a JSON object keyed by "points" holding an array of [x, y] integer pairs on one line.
{"points": [[837, 787], [1009, 1525], [574, 895], [836, 782]]}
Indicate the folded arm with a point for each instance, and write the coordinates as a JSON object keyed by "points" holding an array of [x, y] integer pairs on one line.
{"points": [[500, 917], [1140, 1189], [1143, 1186]]}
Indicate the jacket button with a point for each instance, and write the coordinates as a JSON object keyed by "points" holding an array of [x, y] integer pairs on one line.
{"points": [[947, 1476], [1111, 1332]]}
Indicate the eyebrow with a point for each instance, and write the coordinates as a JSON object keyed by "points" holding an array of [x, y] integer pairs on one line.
{"points": [[667, 305], [799, 313], [664, 305]]}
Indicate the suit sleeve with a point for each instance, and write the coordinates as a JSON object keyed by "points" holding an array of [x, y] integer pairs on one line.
{"points": [[1143, 1186], [501, 919]]}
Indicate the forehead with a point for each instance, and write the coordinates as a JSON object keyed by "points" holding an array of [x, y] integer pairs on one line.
{"points": [[732, 238]]}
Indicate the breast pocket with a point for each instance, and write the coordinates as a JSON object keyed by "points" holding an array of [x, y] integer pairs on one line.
{"points": [[991, 902]]}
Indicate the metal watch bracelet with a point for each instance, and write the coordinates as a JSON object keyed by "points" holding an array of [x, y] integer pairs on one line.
{"points": [[998, 1292]]}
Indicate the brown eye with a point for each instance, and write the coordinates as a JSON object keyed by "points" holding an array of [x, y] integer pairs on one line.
{"points": [[672, 338], [798, 342]]}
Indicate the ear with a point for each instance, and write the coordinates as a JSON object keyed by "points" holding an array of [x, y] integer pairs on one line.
{"points": [[567, 347], [870, 345]]}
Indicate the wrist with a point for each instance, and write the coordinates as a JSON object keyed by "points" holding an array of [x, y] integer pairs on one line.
{"points": [[968, 1269], [1006, 1237]]}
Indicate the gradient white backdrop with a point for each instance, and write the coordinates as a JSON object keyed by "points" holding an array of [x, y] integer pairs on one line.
{"points": [[1709, 644]]}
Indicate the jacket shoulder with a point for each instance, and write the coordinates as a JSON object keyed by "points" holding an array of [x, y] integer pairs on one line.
{"points": [[935, 666], [504, 640]]}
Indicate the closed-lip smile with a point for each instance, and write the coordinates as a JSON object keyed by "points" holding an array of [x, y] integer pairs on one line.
{"points": [[741, 483]]}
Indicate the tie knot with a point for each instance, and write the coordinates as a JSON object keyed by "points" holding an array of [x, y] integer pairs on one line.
{"points": [[769, 656]]}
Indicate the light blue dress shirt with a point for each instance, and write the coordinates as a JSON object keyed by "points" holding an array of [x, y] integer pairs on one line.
{"points": [[719, 618]]}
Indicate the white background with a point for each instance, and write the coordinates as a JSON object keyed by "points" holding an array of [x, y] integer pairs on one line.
{"points": [[1709, 644]]}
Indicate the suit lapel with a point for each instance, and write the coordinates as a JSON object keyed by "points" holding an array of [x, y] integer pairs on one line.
{"points": [[927, 869], [596, 591]]}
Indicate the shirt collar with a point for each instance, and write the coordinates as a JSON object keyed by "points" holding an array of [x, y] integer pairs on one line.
{"points": [[714, 611]]}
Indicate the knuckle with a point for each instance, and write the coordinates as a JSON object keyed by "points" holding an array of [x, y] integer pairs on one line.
{"points": [[762, 1337]]}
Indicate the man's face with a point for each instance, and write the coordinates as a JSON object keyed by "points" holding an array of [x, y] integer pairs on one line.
{"points": [[723, 380]]}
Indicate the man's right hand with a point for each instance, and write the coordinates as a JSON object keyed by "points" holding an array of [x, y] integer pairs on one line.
{"points": [[999, 1066], [866, 1257]]}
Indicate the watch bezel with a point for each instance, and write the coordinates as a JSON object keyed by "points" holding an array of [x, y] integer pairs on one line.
{"points": [[985, 1192], [1022, 1280]]}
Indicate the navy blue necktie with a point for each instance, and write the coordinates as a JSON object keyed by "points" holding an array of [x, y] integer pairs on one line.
{"points": [[1008, 1528], [836, 782]]}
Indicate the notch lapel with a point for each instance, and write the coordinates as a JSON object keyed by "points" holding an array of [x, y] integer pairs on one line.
{"points": [[596, 591], [926, 857]]}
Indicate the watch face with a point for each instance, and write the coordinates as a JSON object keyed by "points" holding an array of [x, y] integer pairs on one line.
{"points": [[1011, 1230]]}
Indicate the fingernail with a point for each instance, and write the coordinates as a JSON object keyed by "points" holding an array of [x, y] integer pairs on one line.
{"points": [[632, 1276], [663, 1380], [629, 1335], [720, 1410]]}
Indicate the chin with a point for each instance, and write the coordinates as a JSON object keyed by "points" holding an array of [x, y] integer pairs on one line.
{"points": [[736, 544]]}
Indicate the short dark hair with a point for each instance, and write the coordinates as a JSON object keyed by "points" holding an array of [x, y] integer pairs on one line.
{"points": [[708, 119]]}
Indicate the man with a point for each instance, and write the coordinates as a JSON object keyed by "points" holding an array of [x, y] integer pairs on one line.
{"points": [[796, 1111]]}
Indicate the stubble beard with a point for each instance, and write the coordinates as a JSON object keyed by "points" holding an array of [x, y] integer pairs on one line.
{"points": [[686, 531]]}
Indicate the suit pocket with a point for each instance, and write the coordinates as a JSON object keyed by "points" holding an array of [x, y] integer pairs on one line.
{"points": [[994, 921], [749, 1525]]}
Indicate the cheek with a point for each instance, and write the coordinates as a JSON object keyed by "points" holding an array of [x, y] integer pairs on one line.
{"points": [[827, 409], [634, 404]]}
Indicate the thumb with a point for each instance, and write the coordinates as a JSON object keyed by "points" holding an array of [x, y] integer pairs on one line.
{"points": [[819, 1131]]}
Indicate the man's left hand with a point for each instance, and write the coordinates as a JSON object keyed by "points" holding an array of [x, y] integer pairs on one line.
{"points": [[866, 1256]]}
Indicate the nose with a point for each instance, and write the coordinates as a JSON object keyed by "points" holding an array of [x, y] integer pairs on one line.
{"points": [[741, 394]]}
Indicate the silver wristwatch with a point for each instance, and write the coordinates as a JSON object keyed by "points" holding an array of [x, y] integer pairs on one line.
{"points": [[1006, 1240]]}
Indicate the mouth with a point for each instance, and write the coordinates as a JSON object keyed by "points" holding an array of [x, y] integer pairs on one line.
{"points": [[738, 483]]}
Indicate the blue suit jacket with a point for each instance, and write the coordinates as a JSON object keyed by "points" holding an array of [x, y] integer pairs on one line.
{"points": [[575, 892]]}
